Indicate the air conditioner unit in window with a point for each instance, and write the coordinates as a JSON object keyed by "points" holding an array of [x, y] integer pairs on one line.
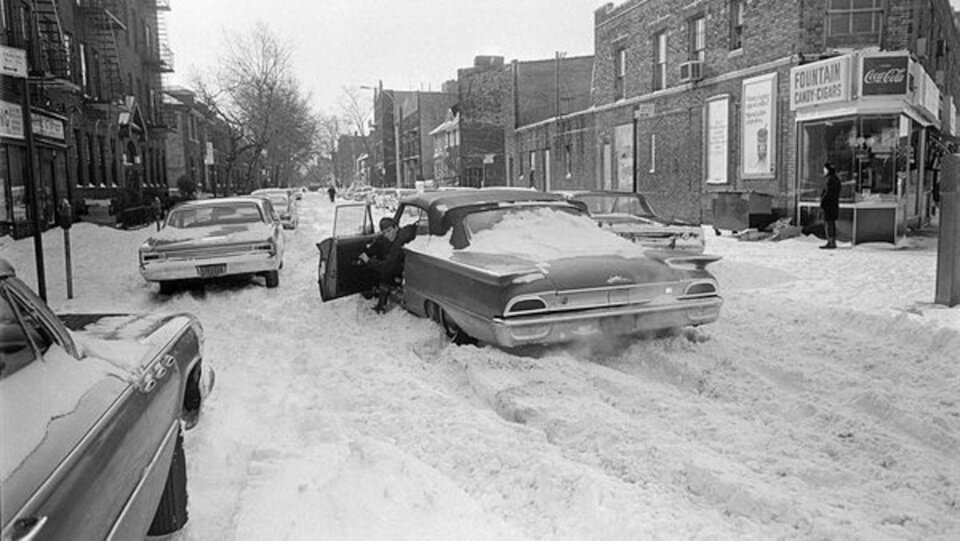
{"points": [[691, 71]]}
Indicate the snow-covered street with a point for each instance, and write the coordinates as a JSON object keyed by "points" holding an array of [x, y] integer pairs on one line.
{"points": [[824, 404]]}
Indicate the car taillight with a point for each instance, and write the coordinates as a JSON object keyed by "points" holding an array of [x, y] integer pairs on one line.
{"points": [[268, 247], [146, 257]]}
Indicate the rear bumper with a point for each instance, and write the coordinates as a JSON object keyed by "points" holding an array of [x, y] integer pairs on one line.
{"points": [[160, 271], [614, 321]]}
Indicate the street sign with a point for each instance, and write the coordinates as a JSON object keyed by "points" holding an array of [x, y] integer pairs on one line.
{"points": [[13, 62]]}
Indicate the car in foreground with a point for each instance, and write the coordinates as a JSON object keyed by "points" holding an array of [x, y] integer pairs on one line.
{"points": [[93, 410], [630, 215], [284, 202], [213, 238], [516, 267]]}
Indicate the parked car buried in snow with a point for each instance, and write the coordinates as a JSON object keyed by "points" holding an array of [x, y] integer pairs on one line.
{"points": [[213, 238], [93, 409], [629, 215], [284, 202], [518, 267]]}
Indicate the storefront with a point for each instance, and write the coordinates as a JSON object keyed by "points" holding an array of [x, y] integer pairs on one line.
{"points": [[876, 118], [51, 157]]}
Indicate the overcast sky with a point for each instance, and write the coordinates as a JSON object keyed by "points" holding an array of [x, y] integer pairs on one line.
{"points": [[409, 44]]}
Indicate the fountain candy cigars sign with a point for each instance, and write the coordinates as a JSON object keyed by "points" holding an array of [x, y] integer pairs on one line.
{"points": [[884, 76], [818, 83]]}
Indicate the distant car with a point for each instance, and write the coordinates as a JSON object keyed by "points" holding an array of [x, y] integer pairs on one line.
{"points": [[519, 267], [284, 202], [630, 215], [92, 413], [213, 238]]}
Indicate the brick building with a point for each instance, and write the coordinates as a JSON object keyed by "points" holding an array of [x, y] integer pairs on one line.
{"points": [[350, 158], [94, 77], [402, 144], [197, 145], [695, 105]]}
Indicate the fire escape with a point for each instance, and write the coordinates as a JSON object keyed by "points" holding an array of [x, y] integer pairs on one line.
{"points": [[160, 61], [101, 26], [52, 52]]}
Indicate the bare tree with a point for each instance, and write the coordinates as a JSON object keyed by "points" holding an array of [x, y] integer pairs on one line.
{"points": [[273, 130]]}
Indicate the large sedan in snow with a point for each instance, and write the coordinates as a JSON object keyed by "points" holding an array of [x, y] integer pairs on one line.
{"points": [[630, 215], [213, 238], [517, 267], [92, 413]]}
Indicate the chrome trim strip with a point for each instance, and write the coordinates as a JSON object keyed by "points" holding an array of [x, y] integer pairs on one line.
{"points": [[143, 477], [613, 311]]}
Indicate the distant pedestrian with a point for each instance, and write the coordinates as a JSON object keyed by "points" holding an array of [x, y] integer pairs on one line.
{"points": [[158, 211], [332, 192], [830, 204]]}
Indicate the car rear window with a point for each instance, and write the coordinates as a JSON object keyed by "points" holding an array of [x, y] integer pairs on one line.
{"points": [[243, 213]]}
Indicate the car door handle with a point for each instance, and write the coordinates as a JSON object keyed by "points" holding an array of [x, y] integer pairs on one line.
{"points": [[27, 529]]}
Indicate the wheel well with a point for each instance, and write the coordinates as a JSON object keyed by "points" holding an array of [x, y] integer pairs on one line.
{"points": [[192, 396]]}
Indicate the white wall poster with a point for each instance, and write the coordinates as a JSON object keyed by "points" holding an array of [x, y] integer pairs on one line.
{"points": [[717, 139], [758, 126]]}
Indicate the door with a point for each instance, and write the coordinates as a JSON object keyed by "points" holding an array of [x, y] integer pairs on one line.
{"points": [[339, 271]]}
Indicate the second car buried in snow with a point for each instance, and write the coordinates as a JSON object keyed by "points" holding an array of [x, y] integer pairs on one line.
{"points": [[213, 238], [517, 267]]}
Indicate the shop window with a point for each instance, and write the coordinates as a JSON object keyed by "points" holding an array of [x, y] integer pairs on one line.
{"points": [[866, 151], [660, 61], [854, 17], [736, 24]]}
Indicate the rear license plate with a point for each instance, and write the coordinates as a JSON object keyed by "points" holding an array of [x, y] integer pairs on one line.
{"points": [[209, 271]]}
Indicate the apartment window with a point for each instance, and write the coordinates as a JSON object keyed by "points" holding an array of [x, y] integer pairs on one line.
{"points": [[620, 65], [92, 162], [660, 61], [853, 17], [697, 30], [736, 24], [78, 145], [83, 65], [68, 49]]}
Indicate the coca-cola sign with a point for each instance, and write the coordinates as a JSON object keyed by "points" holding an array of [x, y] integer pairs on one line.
{"points": [[884, 75]]}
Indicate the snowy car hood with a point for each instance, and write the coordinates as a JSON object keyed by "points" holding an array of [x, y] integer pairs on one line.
{"points": [[172, 238]]}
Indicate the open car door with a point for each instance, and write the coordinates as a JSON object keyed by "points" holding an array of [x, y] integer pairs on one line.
{"points": [[339, 272]]}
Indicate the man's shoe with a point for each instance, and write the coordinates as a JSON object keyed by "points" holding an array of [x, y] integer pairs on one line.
{"points": [[830, 245]]}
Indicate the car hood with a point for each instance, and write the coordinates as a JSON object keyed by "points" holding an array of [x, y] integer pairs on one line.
{"points": [[170, 238], [566, 273]]}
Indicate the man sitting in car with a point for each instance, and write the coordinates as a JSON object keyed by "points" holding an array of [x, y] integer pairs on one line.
{"points": [[384, 256]]}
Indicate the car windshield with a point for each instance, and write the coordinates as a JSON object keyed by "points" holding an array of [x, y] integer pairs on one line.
{"points": [[278, 199], [201, 216], [616, 204]]}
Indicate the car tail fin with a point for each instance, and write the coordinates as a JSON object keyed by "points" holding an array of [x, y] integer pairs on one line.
{"points": [[675, 259]]}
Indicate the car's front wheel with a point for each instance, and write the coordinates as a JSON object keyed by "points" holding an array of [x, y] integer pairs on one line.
{"points": [[171, 514], [272, 278]]}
